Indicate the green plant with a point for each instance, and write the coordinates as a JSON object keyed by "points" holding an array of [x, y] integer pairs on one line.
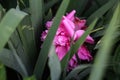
{"points": [[21, 24]]}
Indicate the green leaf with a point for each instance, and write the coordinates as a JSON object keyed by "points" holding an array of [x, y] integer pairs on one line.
{"points": [[50, 4], [9, 24], [37, 11], [101, 2], [48, 16], [12, 60], [54, 64], [101, 11], [20, 51], [75, 71], [84, 73], [30, 78], [48, 42], [2, 72], [106, 47], [1, 12], [36, 8], [26, 32], [79, 6], [23, 4], [116, 60]]}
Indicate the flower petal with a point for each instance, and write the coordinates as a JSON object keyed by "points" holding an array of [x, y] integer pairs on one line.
{"points": [[43, 35], [83, 53], [68, 27], [49, 24], [90, 40], [72, 63], [61, 51], [79, 24], [61, 40], [79, 33], [71, 15]]}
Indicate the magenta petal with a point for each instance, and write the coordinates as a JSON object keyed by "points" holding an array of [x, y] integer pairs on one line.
{"points": [[43, 35], [79, 24], [61, 51], [83, 53], [70, 22], [71, 15], [79, 33], [90, 40], [72, 63], [49, 24], [61, 40], [68, 28]]}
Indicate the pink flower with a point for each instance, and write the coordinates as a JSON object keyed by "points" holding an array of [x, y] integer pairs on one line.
{"points": [[61, 51], [71, 27], [79, 33], [44, 34], [49, 24], [70, 16], [83, 53], [80, 24], [72, 63]]}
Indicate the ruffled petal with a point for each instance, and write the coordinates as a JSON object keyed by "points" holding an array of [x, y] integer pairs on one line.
{"points": [[79, 24], [83, 53], [61, 51], [79, 33], [61, 40], [72, 63]]}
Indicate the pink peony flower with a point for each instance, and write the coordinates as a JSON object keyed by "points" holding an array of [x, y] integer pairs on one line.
{"points": [[71, 27]]}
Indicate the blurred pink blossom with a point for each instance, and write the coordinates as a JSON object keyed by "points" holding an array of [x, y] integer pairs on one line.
{"points": [[70, 27]]}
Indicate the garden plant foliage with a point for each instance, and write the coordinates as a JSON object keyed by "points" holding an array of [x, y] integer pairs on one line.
{"points": [[59, 39]]}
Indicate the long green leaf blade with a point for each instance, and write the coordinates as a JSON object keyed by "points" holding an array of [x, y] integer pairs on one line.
{"points": [[18, 47], [2, 72], [47, 43], [50, 4], [79, 6], [26, 32], [36, 8], [30, 78], [1, 12], [76, 71], [37, 11], [105, 48], [54, 65], [9, 24], [13, 61], [101, 11], [116, 60]]}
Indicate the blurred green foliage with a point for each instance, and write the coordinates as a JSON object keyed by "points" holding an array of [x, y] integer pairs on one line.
{"points": [[20, 31]]}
